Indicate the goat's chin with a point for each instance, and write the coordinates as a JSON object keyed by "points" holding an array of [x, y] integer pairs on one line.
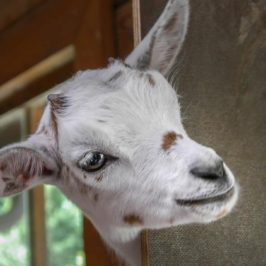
{"points": [[210, 212]]}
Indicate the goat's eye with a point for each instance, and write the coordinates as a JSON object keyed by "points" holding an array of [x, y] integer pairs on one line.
{"points": [[92, 161]]}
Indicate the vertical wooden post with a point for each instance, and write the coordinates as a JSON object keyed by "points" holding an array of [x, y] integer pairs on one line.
{"points": [[93, 45], [37, 206], [136, 22]]}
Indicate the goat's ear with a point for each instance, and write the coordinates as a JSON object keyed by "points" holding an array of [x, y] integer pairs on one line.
{"points": [[162, 44], [25, 165]]}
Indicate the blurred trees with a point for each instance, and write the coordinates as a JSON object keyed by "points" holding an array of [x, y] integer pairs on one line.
{"points": [[64, 234]]}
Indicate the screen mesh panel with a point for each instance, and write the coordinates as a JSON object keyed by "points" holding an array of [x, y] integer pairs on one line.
{"points": [[221, 77]]}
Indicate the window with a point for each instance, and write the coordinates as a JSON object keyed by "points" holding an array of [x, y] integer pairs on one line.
{"points": [[61, 222]]}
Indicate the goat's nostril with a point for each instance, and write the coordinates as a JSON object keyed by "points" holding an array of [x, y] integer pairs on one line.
{"points": [[210, 173]]}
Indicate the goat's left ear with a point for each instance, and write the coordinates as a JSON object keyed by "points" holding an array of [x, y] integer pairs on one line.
{"points": [[25, 165], [162, 44]]}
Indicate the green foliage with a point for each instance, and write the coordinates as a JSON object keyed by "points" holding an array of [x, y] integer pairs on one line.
{"points": [[5, 206], [14, 244], [64, 230], [64, 234]]}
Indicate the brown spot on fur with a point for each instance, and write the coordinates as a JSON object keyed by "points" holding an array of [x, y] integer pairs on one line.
{"points": [[116, 76], [83, 189], [96, 197], [11, 187], [151, 80], [99, 178], [46, 171], [58, 102], [169, 140], [3, 167], [133, 219], [6, 179], [54, 124]]}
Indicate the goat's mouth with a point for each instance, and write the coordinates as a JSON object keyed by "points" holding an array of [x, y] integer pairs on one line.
{"points": [[207, 200]]}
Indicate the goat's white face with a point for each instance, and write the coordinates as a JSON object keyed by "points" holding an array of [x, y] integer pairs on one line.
{"points": [[112, 140], [159, 176]]}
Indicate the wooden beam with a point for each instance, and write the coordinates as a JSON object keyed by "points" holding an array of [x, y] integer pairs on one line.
{"points": [[94, 44], [37, 227], [144, 249], [40, 70], [124, 29], [136, 22], [37, 206], [37, 79], [47, 29], [95, 38], [12, 10], [97, 253]]}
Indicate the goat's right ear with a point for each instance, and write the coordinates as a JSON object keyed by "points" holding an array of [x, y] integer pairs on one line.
{"points": [[25, 165], [162, 44]]}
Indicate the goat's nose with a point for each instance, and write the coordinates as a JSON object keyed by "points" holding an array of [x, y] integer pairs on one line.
{"points": [[215, 172]]}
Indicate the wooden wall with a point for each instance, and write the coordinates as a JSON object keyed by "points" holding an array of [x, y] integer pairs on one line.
{"points": [[42, 43]]}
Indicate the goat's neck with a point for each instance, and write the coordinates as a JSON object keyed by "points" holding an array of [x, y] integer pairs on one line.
{"points": [[129, 248], [124, 241]]}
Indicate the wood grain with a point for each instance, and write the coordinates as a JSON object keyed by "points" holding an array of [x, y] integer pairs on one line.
{"points": [[13, 10], [45, 30], [124, 29], [94, 44]]}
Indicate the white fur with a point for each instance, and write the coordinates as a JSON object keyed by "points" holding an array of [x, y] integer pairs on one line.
{"points": [[127, 116]]}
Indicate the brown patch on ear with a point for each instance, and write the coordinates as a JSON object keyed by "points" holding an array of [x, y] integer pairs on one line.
{"points": [[151, 80], [169, 140], [171, 23], [24, 162], [42, 130], [133, 219]]}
